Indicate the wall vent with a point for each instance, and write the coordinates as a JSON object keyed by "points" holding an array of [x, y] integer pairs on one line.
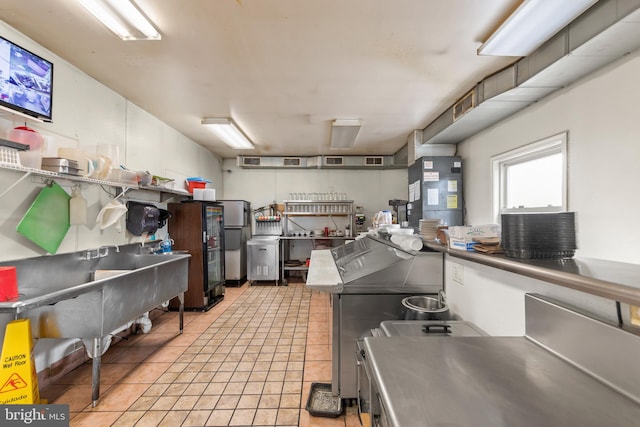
{"points": [[466, 104], [374, 161], [333, 161], [251, 161], [292, 161]]}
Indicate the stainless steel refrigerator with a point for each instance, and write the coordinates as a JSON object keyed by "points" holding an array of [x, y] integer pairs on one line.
{"points": [[237, 231]]}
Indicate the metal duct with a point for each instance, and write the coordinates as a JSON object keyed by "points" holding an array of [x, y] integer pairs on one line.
{"points": [[321, 162], [607, 31]]}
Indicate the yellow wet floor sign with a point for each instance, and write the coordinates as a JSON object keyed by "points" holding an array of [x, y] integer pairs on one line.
{"points": [[18, 380]]}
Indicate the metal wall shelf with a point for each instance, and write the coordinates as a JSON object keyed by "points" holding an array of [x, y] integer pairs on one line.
{"points": [[47, 175]]}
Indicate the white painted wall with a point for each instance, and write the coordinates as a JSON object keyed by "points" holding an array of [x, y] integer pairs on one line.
{"points": [[600, 113], [86, 113], [371, 190]]}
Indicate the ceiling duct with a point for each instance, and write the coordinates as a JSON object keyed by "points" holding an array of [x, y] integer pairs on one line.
{"points": [[321, 162], [607, 31], [288, 162], [360, 162]]}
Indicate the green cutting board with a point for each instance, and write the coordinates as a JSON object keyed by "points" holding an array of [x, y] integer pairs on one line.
{"points": [[47, 220]]}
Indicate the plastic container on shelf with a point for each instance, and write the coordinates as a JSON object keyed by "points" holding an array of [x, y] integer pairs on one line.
{"points": [[192, 185], [123, 176], [31, 158], [28, 136]]}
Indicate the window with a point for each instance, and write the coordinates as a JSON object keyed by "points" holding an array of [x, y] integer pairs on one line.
{"points": [[532, 178]]}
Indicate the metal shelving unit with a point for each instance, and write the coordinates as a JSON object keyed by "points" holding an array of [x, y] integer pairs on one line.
{"points": [[312, 208]]}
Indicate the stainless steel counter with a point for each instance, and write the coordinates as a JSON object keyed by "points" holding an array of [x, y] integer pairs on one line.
{"points": [[609, 279], [489, 381], [568, 370]]}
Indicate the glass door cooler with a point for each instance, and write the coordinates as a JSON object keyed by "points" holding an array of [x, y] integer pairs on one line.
{"points": [[198, 227]]}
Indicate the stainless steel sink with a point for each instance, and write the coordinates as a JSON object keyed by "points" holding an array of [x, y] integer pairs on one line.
{"points": [[64, 300]]}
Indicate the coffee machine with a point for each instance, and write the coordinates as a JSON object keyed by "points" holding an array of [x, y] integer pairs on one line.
{"points": [[400, 211]]}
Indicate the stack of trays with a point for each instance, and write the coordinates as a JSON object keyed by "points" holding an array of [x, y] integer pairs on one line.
{"points": [[61, 165], [539, 235], [428, 228]]}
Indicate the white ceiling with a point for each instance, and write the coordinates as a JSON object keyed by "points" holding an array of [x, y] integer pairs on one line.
{"points": [[282, 69]]}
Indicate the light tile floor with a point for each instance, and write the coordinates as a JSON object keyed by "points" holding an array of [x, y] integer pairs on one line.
{"points": [[249, 361]]}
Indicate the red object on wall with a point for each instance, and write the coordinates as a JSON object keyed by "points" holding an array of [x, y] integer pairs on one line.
{"points": [[8, 283]]}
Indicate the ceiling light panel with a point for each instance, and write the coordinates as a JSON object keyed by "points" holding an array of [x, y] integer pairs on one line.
{"points": [[533, 23], [123, 18], [344, 133], [225, 129]]}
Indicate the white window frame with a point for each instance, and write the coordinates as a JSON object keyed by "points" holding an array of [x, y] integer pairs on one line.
{"points": [[542, 148]]}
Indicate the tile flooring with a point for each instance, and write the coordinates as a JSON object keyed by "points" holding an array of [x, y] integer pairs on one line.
{"points": [[249, 361]]}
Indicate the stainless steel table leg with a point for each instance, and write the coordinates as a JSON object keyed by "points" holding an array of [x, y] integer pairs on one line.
{"points": [[95, 371], [181, 315]]}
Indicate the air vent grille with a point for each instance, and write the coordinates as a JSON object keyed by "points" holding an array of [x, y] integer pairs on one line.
{"points": [[374, 161], [292, 161], [333, 161], [251, 161], [466, 104]]}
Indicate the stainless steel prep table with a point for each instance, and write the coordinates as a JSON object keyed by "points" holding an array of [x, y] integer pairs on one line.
{"points": [[489, 381], [367, 280]]}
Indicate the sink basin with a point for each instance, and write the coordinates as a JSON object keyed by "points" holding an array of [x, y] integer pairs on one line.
{"points": [[80, 295], [64, 300]]}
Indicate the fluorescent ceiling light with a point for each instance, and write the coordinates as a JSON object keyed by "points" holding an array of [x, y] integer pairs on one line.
{"points": [[228, 132], [123, 18], [533, 23], [344, 133]]}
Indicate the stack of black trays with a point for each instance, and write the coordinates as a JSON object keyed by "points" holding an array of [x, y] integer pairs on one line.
{"points": [[539, 235]]}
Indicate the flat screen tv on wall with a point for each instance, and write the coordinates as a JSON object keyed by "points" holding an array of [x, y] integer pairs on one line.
{"points": [[26, 81]]}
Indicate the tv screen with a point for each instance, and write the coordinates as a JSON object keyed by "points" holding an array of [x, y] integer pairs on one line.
{"points": [[26, 81]]}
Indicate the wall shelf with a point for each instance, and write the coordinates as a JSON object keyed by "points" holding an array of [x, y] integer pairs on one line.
{"points": [[79, 179]]}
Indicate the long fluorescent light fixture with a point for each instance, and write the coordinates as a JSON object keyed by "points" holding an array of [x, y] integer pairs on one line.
{"points": [[228, 132], [531, 24], [344, 133], [123, 18]]}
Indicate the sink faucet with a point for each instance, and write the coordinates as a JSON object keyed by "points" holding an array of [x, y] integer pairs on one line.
{"points": [[103, 251], [90, 254]]}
